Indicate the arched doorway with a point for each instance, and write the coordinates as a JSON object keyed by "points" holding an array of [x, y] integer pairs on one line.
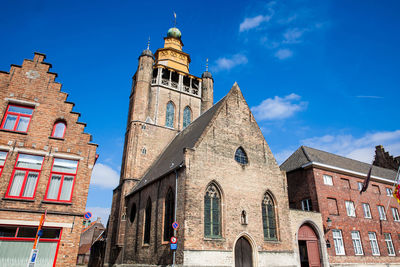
{"points": [[308, 247], [243, 253]]}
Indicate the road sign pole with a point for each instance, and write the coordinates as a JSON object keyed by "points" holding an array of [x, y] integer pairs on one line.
{"points": [[176, 207]]}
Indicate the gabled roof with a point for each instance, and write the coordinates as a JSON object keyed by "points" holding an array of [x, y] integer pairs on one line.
{"points": [[304, 155], [173, 155]]}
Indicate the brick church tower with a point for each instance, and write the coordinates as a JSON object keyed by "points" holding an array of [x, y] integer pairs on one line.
{"points": [[165, 98]]}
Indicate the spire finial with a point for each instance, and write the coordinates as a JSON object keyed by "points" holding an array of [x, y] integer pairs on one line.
{"points": [[207, 64], [174, 19], [148, 44]]}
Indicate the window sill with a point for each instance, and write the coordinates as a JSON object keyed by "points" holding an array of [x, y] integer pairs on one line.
{"points": [[217, 238], [56, 202], [9, 131], [56, 138], [18, 199], [272, 241], [145, 245]]}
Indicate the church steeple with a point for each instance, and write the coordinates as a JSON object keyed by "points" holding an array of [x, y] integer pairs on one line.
{"points": [[172, 55]]}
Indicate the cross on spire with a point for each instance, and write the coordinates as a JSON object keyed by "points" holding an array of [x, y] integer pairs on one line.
{"points": [[148, 44], [207, 64]]}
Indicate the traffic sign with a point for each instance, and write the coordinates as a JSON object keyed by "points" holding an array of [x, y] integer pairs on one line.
{"points": [[174, 240], [175, 225], [87, 215], [174, 246], [33, 257]]}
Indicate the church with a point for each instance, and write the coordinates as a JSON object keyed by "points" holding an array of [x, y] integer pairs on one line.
{"points": [[206, 166]]}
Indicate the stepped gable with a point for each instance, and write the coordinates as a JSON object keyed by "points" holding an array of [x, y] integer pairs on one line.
{"points": [[304, 155]]}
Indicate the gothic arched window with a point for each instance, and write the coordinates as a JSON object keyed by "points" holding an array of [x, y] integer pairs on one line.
{"points": [[240, 156], [147, 222], [187, 116], [212, 212], [169, 115], [169, 215], [133, 213], [269, 218]]}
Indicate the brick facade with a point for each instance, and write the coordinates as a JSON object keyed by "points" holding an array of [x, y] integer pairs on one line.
{"points": [[33, 86], [307, 182]]}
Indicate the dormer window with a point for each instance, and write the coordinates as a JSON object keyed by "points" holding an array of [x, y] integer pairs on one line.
{"points": [[241, 157], [59, 129]]}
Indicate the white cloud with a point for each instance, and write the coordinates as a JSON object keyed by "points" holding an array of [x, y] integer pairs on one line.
{"points": [[254, 22], [278, 108], [362, 148], [370, 96], [283, 155], [293, 35], [104, 176], [101, 212], [283, 54], [225, 63]]}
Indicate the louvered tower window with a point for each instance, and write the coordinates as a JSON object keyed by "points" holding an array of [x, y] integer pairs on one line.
{"points": [[212, 212], [169, 215], [169, 115], [268, 216], [147, 223], [240, 156], [187, 115]]}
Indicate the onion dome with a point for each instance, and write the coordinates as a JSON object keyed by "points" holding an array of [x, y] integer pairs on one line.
{"points": [[174, 32], [206, 74]]}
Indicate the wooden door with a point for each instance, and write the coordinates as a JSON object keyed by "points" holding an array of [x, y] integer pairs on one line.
{"points": [[307, 235], [243, 253]]}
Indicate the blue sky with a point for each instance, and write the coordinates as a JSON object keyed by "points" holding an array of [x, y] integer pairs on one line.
{"points": [[316, 73]]}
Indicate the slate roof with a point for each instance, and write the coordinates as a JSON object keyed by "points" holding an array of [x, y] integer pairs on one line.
{"points": [[305, 155], [172, 157]]}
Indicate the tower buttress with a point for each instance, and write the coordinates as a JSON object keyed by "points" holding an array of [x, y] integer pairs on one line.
{"points": [[207, 91]]}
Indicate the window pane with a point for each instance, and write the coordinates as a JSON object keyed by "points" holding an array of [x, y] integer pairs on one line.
{"points": [[16, 186], [21, 110], [51, 233], [30, 184], [65, 165], [169, 117], [8, 231], [67, 188], [29, 161], [186, 117], [27, 232], [23, 124], [3, 156], [54, 186], [59, 130], [10, 122]]}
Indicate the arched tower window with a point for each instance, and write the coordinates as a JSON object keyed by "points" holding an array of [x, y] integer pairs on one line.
{"points": [[212, 212], [169, 215], [187, 116], [169, 115], [59, 129], [269, 218], [147, 222], [241, 156]]}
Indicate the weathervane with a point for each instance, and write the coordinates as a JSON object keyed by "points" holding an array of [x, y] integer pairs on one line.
{"points": [[207, 64], [174, 19], [148, 44]]}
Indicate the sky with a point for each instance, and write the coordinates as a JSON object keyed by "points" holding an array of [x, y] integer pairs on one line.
{"points": [[324, 74]]}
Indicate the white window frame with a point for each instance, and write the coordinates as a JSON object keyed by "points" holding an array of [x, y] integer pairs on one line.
{"points": [[358, 249], [360, 186], [382, 213], [389, 244], [351, 211], [395, 213], [374, 244], [338, 242], [389, 192], [306, 204], [367, 211], [328, 180]]}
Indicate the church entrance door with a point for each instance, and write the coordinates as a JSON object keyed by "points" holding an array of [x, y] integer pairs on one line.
{"points": [[308, 247], [243, 253]]}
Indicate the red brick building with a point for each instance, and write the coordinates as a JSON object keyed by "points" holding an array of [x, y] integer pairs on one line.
{"points": [[364, 228], [46, 162]]}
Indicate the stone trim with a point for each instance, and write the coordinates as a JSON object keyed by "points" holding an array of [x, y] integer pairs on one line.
{"points": [[36, 223], [21, 102]]}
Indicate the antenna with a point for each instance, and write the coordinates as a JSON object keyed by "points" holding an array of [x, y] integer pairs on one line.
{"points": [[148, 44]]}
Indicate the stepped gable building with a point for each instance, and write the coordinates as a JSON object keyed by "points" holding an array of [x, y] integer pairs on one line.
{"points": [[385, 160], [362, 230], [209, 168], [46, 160]]}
